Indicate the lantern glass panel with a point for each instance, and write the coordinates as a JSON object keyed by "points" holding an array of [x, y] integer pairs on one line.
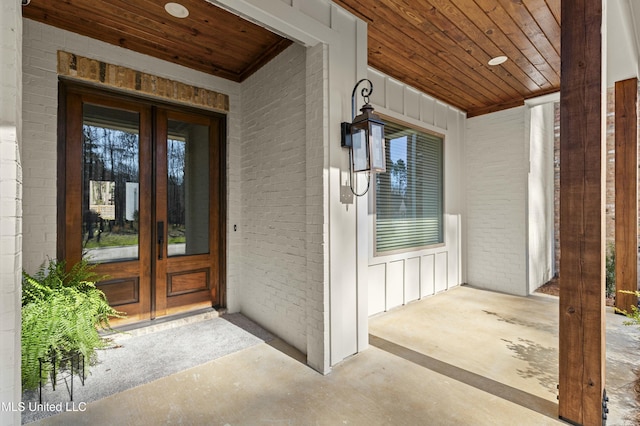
{"points": [[376, 138], [360, 150]]}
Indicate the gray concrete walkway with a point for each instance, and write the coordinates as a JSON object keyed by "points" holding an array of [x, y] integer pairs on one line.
{"points": [[464, 357]]}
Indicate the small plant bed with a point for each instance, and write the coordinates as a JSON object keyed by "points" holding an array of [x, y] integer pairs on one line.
{"points": [[551, 287], [62, 311]]}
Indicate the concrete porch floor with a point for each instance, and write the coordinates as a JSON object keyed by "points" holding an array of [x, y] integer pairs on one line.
{"points": [[463, 357]]}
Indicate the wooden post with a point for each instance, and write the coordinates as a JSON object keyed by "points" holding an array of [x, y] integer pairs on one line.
{"points": [[626, 192], [582, 182]]}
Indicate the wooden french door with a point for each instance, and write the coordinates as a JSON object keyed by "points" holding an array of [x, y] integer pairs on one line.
{"points": [[142, 199]]}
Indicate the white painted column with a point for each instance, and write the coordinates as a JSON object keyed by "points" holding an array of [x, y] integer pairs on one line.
{"points": [[317, 304], [345, 69], [540, 213], [10, 209], [363, 236]]}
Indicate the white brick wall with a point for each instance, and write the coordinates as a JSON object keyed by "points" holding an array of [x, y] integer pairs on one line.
{"points": [[274, 195], [496, 172], [10, 208], [318, 354]]}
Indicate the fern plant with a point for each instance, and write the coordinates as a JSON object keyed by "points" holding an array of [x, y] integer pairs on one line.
{"points": [[61, 313]]}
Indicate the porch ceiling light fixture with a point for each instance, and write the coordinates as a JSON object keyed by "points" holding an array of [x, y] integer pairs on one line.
{"points": [[176, 10], [497, 60], [364, 137]]}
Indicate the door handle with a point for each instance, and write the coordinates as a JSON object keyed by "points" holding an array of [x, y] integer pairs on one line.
{"points": [[160, 233]]}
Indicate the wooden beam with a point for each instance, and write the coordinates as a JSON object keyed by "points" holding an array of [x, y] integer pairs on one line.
{"points": [[582, 329], [626, 121]]}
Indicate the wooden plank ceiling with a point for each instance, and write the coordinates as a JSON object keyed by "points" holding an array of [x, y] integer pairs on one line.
{"points": [[209, 39], [441, 47]]}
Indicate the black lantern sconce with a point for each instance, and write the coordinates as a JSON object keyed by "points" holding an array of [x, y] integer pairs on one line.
{"points": [[364, 137]]}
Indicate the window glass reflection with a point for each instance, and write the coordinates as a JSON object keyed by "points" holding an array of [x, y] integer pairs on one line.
{"points": [[110, 187], [188, 188]]}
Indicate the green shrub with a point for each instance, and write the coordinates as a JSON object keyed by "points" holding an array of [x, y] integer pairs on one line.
{"points": [[61, 313], [610, 273]]}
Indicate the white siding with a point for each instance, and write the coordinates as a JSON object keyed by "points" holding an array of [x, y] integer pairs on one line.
{"points": [[398, 279], [427, 275], [395, 274], [377, 288], [411, 279]]}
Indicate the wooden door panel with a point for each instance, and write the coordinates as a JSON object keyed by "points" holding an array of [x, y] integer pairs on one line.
{"points": [[187, 183], [188, 282], [122, 291], [127, 289], [191, 283], [125, 284]]}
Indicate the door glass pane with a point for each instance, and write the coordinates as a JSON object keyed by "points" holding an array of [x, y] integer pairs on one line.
{"points": [[188, 188], [110, 187]]}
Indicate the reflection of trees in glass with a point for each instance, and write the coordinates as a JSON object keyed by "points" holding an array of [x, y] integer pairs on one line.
{"points": [[110, 155], [409, 195], [399, 177], [176, 188]]}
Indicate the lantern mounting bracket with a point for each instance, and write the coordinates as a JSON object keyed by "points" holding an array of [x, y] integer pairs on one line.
{"points": [[346, 127], [364, 137]]}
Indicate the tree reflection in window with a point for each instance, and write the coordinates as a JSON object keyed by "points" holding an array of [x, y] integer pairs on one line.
{"points": [[409, 206], [110, 198]]}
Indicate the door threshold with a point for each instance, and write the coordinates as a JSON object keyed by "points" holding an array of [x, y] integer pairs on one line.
{"points": [[163, 323]]}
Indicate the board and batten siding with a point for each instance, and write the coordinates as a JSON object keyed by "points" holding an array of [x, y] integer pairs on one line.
{"points": [[399, 278]]}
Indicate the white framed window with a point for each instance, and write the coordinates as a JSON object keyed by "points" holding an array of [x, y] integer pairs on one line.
{"points": [[409, 195]]}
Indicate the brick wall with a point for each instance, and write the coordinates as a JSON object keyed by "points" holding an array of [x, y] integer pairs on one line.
{"points": [[496, 176], [273, 171], [317, 227], [10, 208]]}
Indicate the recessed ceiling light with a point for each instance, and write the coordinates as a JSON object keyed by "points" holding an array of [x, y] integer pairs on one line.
{"points": [[497, 60], [177, 10]]}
